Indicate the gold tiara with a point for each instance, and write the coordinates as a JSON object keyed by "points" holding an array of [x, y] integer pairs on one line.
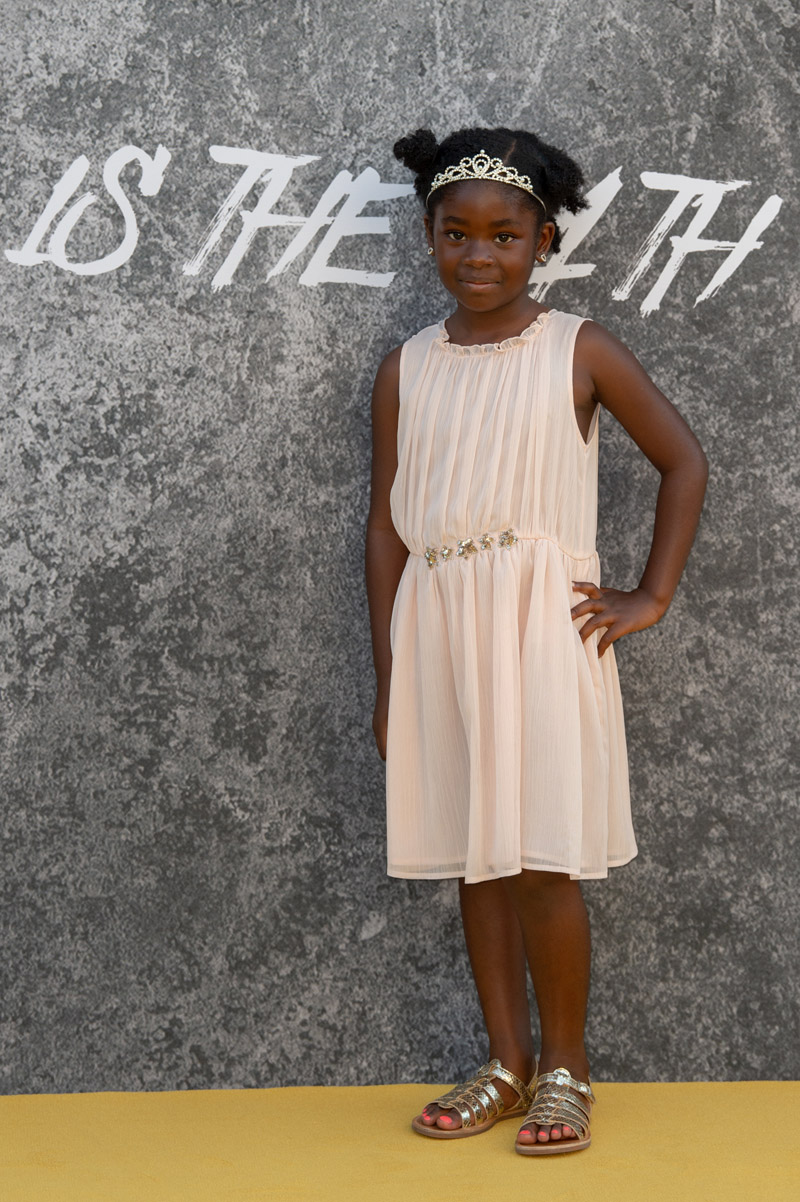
{"points": [[481, 166]]}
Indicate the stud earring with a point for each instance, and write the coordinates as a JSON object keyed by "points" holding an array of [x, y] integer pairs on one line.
{"points": [[430, 250], [543, 259]]}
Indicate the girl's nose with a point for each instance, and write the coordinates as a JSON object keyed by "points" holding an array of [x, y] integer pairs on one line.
{"points": [[478, 253]]}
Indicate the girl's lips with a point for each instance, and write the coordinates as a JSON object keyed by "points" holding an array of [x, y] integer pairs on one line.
{"points": [[478, 283]]}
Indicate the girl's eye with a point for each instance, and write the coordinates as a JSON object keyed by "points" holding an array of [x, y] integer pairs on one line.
{"points": [[454, 235], [506, 238]]}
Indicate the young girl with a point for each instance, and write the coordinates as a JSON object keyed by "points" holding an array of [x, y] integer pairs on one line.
{"points": [[499, 713]]}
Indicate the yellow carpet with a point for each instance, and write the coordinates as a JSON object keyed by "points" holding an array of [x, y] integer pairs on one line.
{"points": [[700, 1142]]}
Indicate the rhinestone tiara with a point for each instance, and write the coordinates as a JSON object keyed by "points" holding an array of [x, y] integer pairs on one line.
{"points": [[482, 166]]}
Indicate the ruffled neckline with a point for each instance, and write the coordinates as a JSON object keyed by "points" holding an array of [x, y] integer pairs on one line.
{"points": [[483, 348]]}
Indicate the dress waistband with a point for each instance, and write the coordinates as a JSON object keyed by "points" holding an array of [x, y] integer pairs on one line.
{"points": [[472, 545]]}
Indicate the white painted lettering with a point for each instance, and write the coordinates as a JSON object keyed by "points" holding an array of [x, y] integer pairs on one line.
{"points": [[705, 195], [347, 223], [260, 166], [150, 181], [573, 230], [339, 214]]}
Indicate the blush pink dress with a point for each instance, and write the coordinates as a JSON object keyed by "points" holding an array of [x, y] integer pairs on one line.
{"points": [[506, 740]]}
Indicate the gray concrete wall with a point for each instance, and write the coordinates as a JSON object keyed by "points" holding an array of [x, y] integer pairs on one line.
{"points": [[193, 881]]}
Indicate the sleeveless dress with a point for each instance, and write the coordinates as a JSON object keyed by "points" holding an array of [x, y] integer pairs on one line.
{"points": [[506, 741]]}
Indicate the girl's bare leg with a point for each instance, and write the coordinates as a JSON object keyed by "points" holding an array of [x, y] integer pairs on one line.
{"points": [[497, 956], [555, 930]]}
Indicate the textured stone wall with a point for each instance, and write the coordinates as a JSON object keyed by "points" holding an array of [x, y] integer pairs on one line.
{"points": [[193, 882]]}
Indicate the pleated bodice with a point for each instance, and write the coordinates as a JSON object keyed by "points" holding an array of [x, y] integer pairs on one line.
{"points": [[487, 436]]}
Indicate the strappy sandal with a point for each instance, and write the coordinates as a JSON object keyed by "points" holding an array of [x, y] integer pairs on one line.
{"points": [[479, 1103], [553, 1102]]}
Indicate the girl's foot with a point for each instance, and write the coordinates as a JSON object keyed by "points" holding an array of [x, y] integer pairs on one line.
{"points": [[449, 1120], [578, 1067]]}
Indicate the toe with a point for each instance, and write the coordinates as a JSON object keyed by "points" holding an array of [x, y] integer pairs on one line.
{"points": [[527, 1134], [448, 1122]]}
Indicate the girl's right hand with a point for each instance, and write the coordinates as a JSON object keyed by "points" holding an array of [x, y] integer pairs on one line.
{"points": [[380, 723]]}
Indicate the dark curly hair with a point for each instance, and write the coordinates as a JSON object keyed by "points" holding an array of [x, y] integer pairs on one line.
{"points": [[555, 176]]}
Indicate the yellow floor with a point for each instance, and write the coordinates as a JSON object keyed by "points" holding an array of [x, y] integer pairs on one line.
{"points": [[349, 1143]]}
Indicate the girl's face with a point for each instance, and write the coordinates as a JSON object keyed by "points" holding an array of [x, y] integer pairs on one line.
{"points": [[486, 238]]}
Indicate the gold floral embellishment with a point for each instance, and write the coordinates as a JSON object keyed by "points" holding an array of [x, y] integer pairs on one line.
{"points": [[468, 546]]}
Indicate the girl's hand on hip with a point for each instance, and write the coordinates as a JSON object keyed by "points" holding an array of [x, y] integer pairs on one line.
{"points": [[619, 611]]}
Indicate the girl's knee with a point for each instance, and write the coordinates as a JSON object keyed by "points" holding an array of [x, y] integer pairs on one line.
{"points": [[539, 881]]}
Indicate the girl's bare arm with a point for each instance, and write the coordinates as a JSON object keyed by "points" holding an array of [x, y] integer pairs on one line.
{"points": [[607, 372], [386, 553]]}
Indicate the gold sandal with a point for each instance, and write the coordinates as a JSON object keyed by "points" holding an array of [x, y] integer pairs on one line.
{"points": [[553, 1102], [479, 1103]]}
